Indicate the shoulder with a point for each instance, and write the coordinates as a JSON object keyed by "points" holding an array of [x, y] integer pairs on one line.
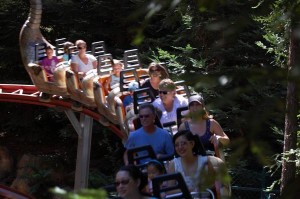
{"points": [[213, 122], [183, 125], [176, 161], [157, 102], [74, 58], [182, 100], [145, 83], [92, 57], [163, 131]]}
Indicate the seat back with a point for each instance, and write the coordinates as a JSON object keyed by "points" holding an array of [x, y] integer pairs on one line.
{"points": [[104, 64], [131, 59], [182, 89], [72, 50], [179, 185], [98, 48], [140, 96], [135, 155], [40, 52], [180, 114], [59, 46], [127, 76]]}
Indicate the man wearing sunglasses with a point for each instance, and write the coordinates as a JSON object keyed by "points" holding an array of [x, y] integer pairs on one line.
{"points": [[150, 134], [169, 101]]}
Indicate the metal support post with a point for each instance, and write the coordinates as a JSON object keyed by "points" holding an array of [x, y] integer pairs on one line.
{"points": [[83, 128]]}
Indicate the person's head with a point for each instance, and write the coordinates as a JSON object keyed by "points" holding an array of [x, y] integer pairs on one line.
{"points": [[132, 86], [67, 45], [196, 107], [117, 66], [155, 168], [186, 143], [167, 90], [157, 71], [81, 46], [147, 113], [49, 51], [129, 181]]}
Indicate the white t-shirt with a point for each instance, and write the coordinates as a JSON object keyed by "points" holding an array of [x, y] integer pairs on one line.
{"points": [[191, 181], [82, 67], [179, 101]]}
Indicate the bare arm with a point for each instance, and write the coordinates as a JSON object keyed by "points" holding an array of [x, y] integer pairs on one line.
{"points": [[74, 68], [95, 63], [219, 134]]}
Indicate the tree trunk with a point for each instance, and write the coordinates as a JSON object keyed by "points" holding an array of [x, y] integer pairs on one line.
{"points": [[290, 133]]}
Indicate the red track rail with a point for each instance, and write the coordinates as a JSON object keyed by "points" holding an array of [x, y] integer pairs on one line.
{"points": [[28, 94]]}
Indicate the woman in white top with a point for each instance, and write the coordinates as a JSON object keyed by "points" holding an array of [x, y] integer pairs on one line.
{"points": [[82, 62], [169, 101], [191, 165]]}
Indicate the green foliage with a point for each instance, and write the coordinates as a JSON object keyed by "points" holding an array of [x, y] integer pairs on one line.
{"points": [[276, 34], [82, 194]]}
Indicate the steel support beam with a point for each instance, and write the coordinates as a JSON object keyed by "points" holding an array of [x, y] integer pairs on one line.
{"points": [[83, 127]]}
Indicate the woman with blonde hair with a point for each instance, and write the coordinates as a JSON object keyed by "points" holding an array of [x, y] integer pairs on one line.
{"points": [[82, 62]]}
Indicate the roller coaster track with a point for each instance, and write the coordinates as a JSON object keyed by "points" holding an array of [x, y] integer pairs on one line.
{"points": [[29, 94]]}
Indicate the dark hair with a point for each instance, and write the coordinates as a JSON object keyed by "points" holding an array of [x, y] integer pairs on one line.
{"points": [[148, 105], [136, 174], [197, 149], [48, 48], [157, 165], [67, 44], [164, 72]]}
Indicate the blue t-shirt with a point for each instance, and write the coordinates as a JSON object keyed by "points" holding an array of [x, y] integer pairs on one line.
{"points": [[127, 100], [160, 140]]}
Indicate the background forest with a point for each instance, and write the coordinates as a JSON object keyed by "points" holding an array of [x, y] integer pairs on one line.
{"points": [[235, 53]]}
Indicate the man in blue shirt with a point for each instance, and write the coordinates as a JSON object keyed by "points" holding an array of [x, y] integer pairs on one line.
{"points": [[150, 134]]}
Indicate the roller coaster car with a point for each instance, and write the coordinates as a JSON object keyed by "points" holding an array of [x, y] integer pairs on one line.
{"points": [[82, 90], [40, 78], [110, 103]]}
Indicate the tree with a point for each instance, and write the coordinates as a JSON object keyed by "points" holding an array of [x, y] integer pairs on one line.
{"points": [[281, 26], [291, 124]]}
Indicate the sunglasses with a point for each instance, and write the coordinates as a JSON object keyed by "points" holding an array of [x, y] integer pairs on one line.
{"points": [[144, 116], [123, 182], [164, 92], [80, 47]]}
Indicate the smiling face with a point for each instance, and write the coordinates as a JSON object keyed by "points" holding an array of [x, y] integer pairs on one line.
{"points": [[147, 117], [167, 91], [126, 186], [183, 146]]}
